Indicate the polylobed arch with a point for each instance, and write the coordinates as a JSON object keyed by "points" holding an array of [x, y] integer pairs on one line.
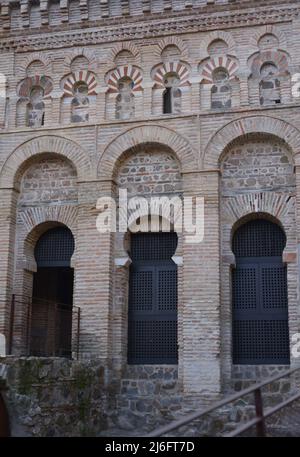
{"points": [[137, 136], [14, 165], [239, 128]]}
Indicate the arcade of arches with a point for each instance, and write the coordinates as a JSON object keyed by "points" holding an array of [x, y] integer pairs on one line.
{"points": [[190, 101], [148, 321]]}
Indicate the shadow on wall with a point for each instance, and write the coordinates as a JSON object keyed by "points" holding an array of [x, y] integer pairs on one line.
{"points": [[4, 420]]}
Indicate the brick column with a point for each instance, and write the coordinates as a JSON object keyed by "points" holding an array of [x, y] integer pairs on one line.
{"points": [[195, 96], [244, 93], [199, 368], [119, 315], [93, 272], [147, 101], [8, 203], [54, 110]]}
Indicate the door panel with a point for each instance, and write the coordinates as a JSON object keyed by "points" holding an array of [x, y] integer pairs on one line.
{"points": [[152, 318], [259, 296]]}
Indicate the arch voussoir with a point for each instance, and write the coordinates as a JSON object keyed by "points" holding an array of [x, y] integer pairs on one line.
{"points": [[49, 144], [250, 125], [137, 136]]}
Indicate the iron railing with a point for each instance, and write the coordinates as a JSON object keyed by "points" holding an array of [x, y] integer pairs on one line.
{"points": [[259, 421], [42, 328]]}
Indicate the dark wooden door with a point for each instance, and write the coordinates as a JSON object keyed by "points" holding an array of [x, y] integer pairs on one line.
{"points": [[51, 320], [152, 317], [259, 295]]}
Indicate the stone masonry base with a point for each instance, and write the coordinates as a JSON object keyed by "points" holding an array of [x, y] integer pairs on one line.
{"points": [[60, 397]]}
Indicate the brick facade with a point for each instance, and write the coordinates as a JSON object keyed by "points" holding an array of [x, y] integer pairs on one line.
{"points": [[97, 124]]}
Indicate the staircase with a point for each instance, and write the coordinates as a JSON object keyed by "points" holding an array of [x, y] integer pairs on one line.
{"points": [[255, 411]]}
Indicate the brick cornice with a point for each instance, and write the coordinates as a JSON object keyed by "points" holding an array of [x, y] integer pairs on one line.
{"points": [[140, 28]]}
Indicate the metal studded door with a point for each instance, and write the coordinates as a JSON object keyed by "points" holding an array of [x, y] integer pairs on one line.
{"points": [[55, 248], [259, 293], [152, 315]]}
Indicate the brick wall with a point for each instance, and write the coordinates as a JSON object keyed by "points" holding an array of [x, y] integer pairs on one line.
{"points": [[252, 147], [257, 173]]}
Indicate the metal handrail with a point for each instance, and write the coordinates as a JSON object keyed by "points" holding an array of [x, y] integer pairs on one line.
{"points": [[259, 421], [269, 412], [20, 299], [57, 307]]}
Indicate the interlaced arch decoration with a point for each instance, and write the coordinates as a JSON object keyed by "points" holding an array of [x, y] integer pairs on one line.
{"points": [[28, 83], [213, 63], [80, 76], [125, 71], [279, 58], [180, 68]]}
